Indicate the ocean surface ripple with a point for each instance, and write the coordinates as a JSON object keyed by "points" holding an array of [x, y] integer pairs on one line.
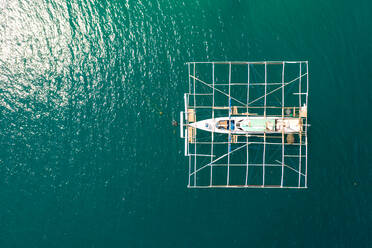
{"points": [[88, 155]]}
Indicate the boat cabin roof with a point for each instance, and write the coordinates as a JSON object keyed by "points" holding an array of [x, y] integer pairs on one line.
{"points": [[257, 125]]}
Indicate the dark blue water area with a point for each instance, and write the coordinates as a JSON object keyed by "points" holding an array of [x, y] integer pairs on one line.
{"points": [[88, 155]]}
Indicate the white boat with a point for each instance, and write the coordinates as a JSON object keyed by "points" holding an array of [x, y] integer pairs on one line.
{"points": [[247, 125]]}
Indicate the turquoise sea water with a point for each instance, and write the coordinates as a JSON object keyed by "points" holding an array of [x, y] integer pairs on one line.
{"points": [[88, 160]]}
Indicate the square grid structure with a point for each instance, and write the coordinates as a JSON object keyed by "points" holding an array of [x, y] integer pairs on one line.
{"points": [[265, 160]]}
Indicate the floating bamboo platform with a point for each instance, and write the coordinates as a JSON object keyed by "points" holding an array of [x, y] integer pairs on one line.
{"points": [[272, 155]]}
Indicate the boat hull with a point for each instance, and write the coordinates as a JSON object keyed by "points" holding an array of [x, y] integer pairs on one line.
{"points": [[250, 125]]}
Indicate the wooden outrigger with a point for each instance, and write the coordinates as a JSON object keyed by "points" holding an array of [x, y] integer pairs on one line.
{"points": [[257, 133]]}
